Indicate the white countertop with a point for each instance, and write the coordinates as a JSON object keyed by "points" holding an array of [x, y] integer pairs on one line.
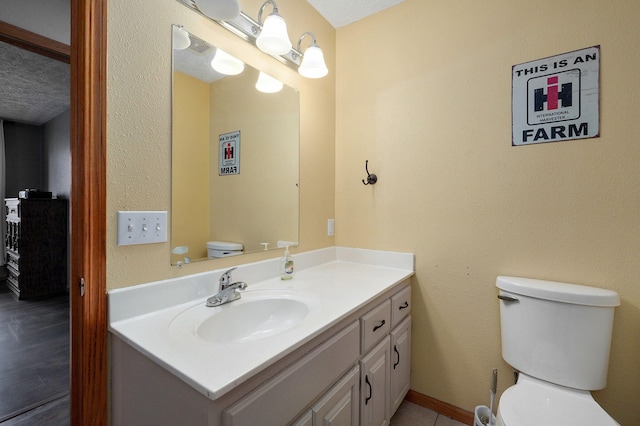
{"points": [[341, 279]]}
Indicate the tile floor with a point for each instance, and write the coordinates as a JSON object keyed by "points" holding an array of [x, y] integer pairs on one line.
{"points": [[410, 414]]}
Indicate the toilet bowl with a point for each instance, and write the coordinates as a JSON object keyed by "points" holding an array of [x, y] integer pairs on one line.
{"points": [[558, 336], [534, 402], [218, 249]]}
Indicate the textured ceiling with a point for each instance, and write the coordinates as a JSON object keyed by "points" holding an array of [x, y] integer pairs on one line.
{"points": [[342, 12], [33, 88], [196, 59]]}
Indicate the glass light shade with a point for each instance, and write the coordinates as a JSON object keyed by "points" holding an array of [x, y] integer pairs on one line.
{"points": [[226, 64], [313, 65], [222, 10], [268, 84], [273, 38], [181, 38]]}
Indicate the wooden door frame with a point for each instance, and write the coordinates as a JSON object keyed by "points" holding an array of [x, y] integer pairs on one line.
{"points": [[89, 381], [88, 59]]}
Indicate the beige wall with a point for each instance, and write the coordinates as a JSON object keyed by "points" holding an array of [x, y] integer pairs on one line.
{"points": [[139, 126], [259, 205], [424, 93], [190, 224]]}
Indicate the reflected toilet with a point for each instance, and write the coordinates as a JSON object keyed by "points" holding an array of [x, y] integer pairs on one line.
{"points": [[217, 249]]}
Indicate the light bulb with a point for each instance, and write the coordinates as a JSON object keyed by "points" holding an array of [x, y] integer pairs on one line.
{"points": [[268, 84], [273, 38], [181, 38], [226, 64], [313, 65]]}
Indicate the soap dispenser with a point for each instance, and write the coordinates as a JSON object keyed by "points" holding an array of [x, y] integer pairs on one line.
{"points": [[286, 265]]}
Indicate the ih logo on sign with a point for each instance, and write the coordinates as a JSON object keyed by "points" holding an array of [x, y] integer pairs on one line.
{"points": [[229, 152], [553, 97]]}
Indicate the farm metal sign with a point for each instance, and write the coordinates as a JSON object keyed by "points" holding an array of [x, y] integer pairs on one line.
{"points": [[556, 98], [229, 154]]}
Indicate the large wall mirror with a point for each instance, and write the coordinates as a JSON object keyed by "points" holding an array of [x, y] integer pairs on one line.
{"points": [[235, 157]]}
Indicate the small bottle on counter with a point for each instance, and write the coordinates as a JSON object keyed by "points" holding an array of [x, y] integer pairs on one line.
{"points": [[286, 265]]}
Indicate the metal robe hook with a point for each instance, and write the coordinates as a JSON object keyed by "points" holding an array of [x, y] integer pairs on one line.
{"points": [[371, 178]]}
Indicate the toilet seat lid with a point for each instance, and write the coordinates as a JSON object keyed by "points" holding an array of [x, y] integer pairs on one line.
{"points": [[534, 402], [223, 245]]}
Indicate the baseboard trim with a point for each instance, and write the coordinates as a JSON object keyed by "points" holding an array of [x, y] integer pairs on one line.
{"points": [[440, 407]]}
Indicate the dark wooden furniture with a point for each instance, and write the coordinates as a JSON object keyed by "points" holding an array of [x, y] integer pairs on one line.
{"points": [[36, 245]]}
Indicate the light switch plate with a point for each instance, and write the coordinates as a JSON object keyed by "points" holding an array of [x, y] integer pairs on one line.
{"points": [[330, 228], [142, 227]]}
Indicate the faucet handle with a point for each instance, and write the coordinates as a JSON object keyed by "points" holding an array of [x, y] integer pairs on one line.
{"points": [[225, 278]]}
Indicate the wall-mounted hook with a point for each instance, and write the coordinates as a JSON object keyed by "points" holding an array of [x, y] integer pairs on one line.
{"points": [[371, 178]]}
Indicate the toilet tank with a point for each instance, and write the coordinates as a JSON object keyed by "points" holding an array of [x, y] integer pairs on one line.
{"points": [[557, 332]]}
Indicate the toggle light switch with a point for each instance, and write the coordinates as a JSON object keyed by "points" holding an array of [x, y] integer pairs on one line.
{"points": [[142, 227]]}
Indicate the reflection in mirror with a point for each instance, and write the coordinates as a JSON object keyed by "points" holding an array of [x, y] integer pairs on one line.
{"points": [[235, 158]]}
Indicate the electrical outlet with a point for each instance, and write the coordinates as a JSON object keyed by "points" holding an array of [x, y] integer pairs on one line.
{"points": [[142, 227], [330, 228]]}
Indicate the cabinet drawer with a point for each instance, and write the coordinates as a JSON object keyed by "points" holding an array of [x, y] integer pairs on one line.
{"points": [[280, 399], [13, 209], [400, 306], [13, 263], [375, 325], [13, 269]]}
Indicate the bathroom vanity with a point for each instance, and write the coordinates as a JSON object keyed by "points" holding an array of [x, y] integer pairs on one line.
{"points": [[331, 347]]}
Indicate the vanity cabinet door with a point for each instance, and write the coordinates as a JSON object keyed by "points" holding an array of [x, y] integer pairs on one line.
{"points": [[305, 420], [374, 385], [339, 406], [400, 363], [280, 399]]}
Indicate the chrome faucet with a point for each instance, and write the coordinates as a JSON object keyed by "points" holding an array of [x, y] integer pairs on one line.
{"points": [[227, 291]]}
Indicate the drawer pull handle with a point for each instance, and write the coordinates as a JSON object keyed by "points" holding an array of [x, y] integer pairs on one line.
{"points": [[404, 305], [380, 324], [395, 349], [366, 379]]}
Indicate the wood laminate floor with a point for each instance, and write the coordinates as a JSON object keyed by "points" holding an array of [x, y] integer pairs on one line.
{"points": [[34, 360]]}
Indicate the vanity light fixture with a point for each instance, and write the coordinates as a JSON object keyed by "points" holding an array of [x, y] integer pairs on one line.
{"points": [[226, 64], [181, 38], [268, 84], [273, 38], [219, 9], [313, 65]]}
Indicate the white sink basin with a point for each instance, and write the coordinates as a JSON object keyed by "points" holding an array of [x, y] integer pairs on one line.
{"points": [[257, 315]]}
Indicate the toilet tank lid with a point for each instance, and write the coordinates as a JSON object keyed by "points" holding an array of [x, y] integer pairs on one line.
{"points": [[559, 292], [223, 245]]}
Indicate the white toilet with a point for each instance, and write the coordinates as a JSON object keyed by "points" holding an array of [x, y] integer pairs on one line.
{"points": [[218, 249], [558, 337]]}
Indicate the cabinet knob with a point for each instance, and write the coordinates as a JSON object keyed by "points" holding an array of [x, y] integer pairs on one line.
{"points": [[380, 324], [366, 379], [395, 349]]}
